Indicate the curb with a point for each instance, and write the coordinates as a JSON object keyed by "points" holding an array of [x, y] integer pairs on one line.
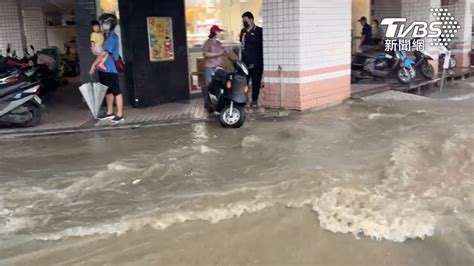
{"points": [[92, 127]]}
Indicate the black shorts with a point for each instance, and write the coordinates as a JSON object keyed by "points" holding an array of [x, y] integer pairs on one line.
{"points": [[111, 81]]}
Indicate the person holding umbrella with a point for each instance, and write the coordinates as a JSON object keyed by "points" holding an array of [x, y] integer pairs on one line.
{"points": [[109, 75]]}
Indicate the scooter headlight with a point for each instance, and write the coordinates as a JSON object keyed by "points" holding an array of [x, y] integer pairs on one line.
{"points": [[243, 68], [33, 89]]}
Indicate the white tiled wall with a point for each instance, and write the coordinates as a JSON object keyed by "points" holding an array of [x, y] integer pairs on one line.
{"points": [[281, 35], [10, 31], [35, 30], [462, 12], [387, 9], [19, 18], [419, 10], [325, 33], [306, 34]]}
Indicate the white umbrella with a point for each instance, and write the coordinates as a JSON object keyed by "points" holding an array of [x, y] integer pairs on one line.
{"points": [[93, 94]]}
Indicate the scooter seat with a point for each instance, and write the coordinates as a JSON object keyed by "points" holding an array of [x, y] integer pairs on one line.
{"points": [[220, 75], [8, 73], [367, 55], [11, 89]]}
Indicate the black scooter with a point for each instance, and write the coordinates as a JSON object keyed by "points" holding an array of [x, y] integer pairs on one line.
{"points": [[46, 77], [227, 95], [422, 62]]}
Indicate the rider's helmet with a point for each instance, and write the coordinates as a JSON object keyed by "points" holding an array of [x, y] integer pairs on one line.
{"points": [[110, 19]]}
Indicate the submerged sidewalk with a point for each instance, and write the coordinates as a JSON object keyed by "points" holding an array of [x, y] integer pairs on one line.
{"points": [[69, 118], [64, 120]]}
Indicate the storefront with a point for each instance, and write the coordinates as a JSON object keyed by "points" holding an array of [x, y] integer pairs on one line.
{"points": [[151, 81], [201, 15], [307, 44]]}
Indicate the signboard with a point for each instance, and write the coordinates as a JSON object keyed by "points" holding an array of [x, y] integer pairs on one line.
{"points": [[160, 39]]}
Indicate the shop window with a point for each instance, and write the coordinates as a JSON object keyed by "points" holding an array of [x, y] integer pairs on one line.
{"points": [[201, 15]]}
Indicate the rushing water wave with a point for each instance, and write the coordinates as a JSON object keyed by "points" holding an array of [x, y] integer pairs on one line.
{"points": [[381, 169]]}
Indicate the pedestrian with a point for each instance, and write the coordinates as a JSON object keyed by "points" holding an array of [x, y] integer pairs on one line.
{"points": [[97, 44], [109, 76], [366, 42], [377, 32], [213, 52], [251, 38]]}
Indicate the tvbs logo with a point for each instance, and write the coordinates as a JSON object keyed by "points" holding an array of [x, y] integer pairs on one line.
{"points": [[441, 31], [396, 28]]}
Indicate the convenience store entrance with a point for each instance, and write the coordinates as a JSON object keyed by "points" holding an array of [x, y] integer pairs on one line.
{"points": [[201, 15]]}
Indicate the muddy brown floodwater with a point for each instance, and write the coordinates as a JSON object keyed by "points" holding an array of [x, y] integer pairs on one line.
{"points": [[385, 181]]}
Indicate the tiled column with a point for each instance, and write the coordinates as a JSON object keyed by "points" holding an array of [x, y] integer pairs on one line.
{"points": [[10, 26], [387, 9], [34, 23], [311, 41], [419, 10], [461, 10]]}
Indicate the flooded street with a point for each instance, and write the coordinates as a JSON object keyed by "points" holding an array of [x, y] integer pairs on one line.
{"points": [[378, 182]]}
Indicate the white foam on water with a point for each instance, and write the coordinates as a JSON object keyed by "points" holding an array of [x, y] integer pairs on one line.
{"points": [[419, 185], [205, 149], [15, 224], [373, 116], [212, 215], [345, 210], [462, 98]]}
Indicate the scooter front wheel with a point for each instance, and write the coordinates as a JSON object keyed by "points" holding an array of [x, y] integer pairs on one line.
{"points": [[35, 115], [234, 119], [427, 70], [453, 63], [404, 75]]}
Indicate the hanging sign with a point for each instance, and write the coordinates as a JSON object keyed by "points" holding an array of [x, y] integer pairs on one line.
{"points": [[160, 39]]}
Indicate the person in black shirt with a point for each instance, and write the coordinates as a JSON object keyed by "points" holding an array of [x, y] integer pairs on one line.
{"points": [[366, 43], [251, 38]]}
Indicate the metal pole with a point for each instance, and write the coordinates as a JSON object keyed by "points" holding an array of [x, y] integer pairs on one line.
{"points": [[447, 59], [443, 76], [280, 70]]}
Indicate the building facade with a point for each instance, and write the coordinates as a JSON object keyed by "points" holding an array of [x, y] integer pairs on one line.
{"points": [[307, 43]]}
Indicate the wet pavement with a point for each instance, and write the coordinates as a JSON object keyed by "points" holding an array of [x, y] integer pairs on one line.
{"points": [[383, 181], [67, 114]]}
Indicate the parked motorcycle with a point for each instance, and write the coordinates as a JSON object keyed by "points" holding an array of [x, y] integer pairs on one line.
{"points": [[227, 95], [443, 51], [70, 63], [19, 102], [383, 65], [422, 61], [42, 73]]}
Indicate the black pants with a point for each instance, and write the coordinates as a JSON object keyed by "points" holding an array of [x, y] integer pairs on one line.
{"points": [[256, 76], [110, 80]]}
